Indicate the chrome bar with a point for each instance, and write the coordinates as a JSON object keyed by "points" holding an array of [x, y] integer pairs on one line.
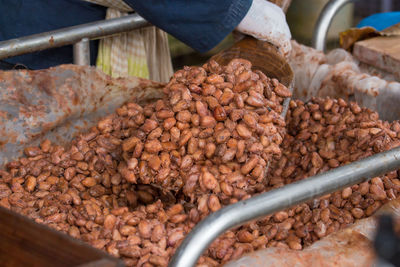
{"points": [[267, 203], [324, 21], [70, 35], [81, 51], [386, 6]]}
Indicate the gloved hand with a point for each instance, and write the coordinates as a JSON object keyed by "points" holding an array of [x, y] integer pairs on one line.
{"points": [[266, 21]]}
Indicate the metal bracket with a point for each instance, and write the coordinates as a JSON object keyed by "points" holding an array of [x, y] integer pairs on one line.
{"points": [[81, 51]]}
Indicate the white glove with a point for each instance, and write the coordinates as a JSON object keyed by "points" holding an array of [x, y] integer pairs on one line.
{"points": [[266, 21]]}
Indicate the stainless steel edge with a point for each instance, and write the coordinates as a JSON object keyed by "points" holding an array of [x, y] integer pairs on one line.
{"points": [[81, 52], [70, 35], [324, 21], [267, 203]]}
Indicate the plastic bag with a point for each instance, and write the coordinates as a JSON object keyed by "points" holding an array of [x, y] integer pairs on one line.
{"points": [[338, 74], [59, 102], [338, 55], [304, 61]]}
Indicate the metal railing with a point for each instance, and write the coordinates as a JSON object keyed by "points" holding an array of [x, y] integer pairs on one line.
{"points": [[205, 232], [324, 22], [78, 35]]}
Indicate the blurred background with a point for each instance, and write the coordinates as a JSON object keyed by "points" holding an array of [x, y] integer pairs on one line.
{"points": [[301, 16]]}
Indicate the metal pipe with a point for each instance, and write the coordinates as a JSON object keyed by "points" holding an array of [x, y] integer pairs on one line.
{"points": [[324, 21], [81, 51], [386, 6], [70, 35], [275, 200]]}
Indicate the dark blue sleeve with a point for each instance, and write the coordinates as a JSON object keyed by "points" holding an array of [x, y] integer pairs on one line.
{"points": [[201, 24], [20, 18]]}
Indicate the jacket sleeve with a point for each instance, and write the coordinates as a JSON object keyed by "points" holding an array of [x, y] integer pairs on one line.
{"points": [[201, 24], [19, 18]]}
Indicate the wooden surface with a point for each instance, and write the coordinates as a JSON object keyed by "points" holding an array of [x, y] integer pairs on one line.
{"points": [[380, 52], [26, 243], [262, 55]]}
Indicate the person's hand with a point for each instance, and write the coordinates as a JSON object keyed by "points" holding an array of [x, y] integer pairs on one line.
{"points": [[266, 21]]}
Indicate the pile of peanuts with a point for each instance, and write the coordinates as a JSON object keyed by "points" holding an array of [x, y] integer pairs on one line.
{"points": [[140, 180]]}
